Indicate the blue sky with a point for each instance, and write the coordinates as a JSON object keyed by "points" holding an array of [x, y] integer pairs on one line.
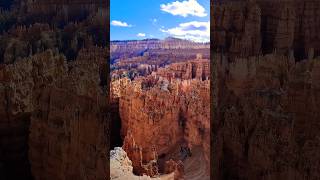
{"points": [[141, 19]]}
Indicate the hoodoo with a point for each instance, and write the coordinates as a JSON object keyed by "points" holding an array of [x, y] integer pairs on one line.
{"points": [[164, 111]]}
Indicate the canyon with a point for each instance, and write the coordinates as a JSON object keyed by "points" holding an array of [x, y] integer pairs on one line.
{"points": [[265, 79], [56, 115], [164, 112], [57, 112]]}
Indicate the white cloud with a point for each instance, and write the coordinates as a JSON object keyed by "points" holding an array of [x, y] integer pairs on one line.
{"points": [[184, 8], [194, 31], [141, 35], [120, 24]]}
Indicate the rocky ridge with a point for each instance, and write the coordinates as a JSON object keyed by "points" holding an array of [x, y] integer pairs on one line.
{"points": [[157, 51], [168, 43]]}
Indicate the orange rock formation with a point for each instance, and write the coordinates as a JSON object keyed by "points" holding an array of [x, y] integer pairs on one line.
{"points": [[161, 113]]}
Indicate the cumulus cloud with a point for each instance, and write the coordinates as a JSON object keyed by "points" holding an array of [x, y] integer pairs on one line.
{"points": [[141, 35], [120, 24], [194, 31], [184, 8]]}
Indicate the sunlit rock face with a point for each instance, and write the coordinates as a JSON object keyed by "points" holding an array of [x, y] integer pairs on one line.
{"points": [[162, 112], [197, 69], [266, 90]]}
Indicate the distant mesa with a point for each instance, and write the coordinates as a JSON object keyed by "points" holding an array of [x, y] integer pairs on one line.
{"points": [[167, 43]]}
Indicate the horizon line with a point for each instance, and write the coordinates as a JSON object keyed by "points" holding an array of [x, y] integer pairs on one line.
{"points": [[158, 39]]}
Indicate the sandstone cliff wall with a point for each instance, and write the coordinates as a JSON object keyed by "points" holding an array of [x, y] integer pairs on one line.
{"points": [[197, 69], [150, 132]]}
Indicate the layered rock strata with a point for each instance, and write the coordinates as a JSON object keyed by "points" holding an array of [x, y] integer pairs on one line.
{"points": [[156, 52], [168, 43]]}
